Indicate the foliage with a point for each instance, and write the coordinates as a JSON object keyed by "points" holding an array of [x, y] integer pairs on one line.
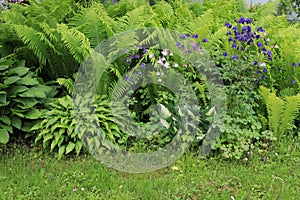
{"points": [[57, 129], [20, 97], [281, 113]]}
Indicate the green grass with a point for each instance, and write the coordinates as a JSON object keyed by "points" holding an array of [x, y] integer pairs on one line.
{"points": [[34, 175]]}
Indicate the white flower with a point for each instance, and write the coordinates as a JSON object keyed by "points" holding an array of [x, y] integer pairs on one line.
{"points": [[160, 62], [263, 64], [158, 73], [82, 189], [151, 55], [167, 65], [175, 64], [276, 154], [170, 54], [267, 39], [165, 52], [276, 46], [74, 190], [232, 198], [246, 159], [159, 80]]}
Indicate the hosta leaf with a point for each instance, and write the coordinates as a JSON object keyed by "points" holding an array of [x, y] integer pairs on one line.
{"points": [[26, 102], [78, 146], [33, 114], [4, 137], [17, 89], [27, 80], [61, 151], [4, 67], [165, 123], [6, 127], [20, 71], [11, 80], [165, 111], [33, 92], [3, 98], [5, 119], [53, 145], [70, 147]]}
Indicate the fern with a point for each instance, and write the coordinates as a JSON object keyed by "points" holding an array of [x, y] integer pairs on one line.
{"points": [[281, 113], [75, 41]]}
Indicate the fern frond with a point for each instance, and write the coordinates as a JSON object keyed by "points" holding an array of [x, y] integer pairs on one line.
{"points": [[132, 20], [75, 41], [290, 112], [95, 23], [35, 41], [68, 83], [275, 106]]}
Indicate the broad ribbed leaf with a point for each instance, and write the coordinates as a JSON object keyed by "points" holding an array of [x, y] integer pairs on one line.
{"points": [[70, 147], [11, 80], [4, 137]]}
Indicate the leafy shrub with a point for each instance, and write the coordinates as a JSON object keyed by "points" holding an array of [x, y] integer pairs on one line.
{"points": [[20, 96]]}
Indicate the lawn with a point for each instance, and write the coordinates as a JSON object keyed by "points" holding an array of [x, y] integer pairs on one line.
{"points": [[31, 174]]}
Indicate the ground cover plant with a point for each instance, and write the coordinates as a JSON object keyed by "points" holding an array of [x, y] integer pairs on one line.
{"points": [[254, 53]]}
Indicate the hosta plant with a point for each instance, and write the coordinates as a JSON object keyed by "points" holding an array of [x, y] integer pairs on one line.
{"points": [[21, 94]]}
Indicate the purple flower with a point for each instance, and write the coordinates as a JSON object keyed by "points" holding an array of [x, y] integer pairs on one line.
{"points": [[124, 50], [142, 65], [138, 73], [255, 62], [126, 78], [195, 36], [230, 39], [177, 44], [270, 58], [188, 35], [263, 77], [269, 53], [258, 72], [235, 57], [257, 36], [262, 159], [242, 20], [294, 64], [127, 60], [265, 70], [279, 69], [293, 82], [260, 29], [204, 40], [182, 37], [137, 56], [259, 44], [225, 54], [264, 50], [140, 47], [198, 44], [234, 28], [189, 51], [299, 64], [132, 80], [145, 50], [233, 45], [228, 33], [248, 20], [228, 25]]}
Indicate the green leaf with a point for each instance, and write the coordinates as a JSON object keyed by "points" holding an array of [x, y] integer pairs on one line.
{"points": [[4, 137], [17, 89], [78, 146], [20, 71], [4, 67], [27, 80], [11, 80], [61, 151], [70, 147], [33, 92], [33, 114], [26, 102], [3, 101], [5, 119]]}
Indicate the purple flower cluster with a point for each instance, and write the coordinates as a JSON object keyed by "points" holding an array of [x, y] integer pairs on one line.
{"points": [[193, 46]]}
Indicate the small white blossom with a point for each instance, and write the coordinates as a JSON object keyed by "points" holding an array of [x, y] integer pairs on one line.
{"points": [[151, 55], [167, 65], [82, 189], [159, 80], [175, 65], [263, 64], [165, 52]]}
